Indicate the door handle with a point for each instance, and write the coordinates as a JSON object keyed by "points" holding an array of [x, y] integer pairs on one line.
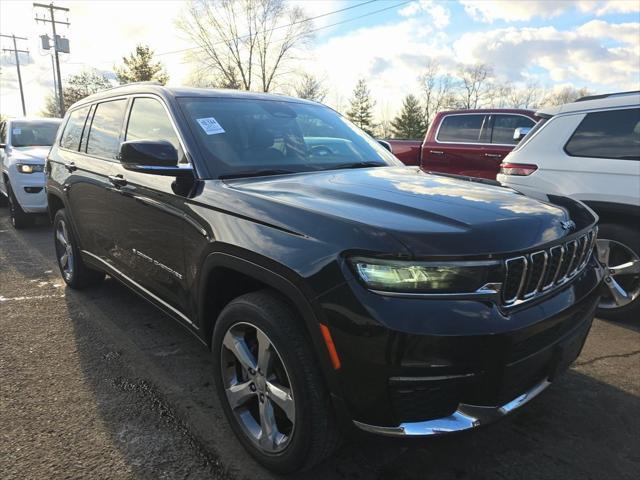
{"points": [[117, 180], [71, 167], [436, 152], [493, 155]]}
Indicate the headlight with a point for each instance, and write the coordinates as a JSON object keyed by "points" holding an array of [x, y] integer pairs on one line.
{"points": [[29, 167], [428, 277]]}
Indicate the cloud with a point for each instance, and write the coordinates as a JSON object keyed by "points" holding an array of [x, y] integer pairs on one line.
{"points": [[491, 10], [595, 52], [440, 16]]}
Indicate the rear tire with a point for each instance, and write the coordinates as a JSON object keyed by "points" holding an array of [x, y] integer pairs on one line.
{"points": [[623, 246], [254, 320], [19, 218], [73, 270]]}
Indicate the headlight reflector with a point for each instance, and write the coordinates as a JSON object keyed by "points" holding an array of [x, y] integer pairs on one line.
{"points": [[426, 277], [29, 167]]}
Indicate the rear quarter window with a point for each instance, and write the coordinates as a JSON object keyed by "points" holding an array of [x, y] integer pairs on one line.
{"points": [[613, 134], [462, 128], [73, 129]]}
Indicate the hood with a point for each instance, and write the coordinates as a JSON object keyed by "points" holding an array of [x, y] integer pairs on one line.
{"points": [[428, 214], [30, 154]]}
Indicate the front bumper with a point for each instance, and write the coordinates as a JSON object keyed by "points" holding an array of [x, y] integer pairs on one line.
{"points": [[424, 367], [29, 191], [464, 418]]}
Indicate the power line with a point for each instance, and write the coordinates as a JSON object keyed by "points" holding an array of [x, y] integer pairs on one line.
{"points": [[17, 52], [331, 25], [52, 20], [242, 37]]}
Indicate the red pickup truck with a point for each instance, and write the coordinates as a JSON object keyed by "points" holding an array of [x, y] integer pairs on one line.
{"points": [[466, 142]]}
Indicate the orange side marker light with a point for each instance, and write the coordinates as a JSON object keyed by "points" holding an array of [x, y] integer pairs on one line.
{"points": [[331, 348]]}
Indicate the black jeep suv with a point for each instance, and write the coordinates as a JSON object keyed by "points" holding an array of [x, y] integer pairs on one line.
{"points": [[337, 289]]}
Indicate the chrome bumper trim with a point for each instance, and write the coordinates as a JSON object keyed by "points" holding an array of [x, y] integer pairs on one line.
{"points": [[464, 418]]}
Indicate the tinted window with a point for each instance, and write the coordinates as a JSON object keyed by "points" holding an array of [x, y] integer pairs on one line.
{"points": [[243, 136], [33, 133], [504, 126], [612, 134], [73, 129], [462, 128], [104, 138], [149, 121]]}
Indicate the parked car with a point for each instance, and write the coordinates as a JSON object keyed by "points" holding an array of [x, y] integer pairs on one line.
{"points": [[590, 150], [338, 289], [24, 144], [466, 142]]}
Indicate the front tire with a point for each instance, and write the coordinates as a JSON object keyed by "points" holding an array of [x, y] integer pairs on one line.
{"points": [[73, 270], [269, 384], [619, 253], [19, 218]]}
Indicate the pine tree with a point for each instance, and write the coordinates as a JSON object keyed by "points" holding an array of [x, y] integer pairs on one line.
{"points": [[410, 123], [310, 88], [139, 67], [361, 111]]}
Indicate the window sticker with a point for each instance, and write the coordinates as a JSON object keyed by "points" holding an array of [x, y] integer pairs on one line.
{"points": [[17, 131], [210, 125]]}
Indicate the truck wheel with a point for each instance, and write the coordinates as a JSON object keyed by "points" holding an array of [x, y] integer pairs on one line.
{"points": [[19, 218], [74, 272], [619, 253], [269, 384]]}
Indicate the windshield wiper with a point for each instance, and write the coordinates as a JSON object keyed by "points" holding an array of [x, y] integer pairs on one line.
{"points": [[256, 173], [358, 165]]}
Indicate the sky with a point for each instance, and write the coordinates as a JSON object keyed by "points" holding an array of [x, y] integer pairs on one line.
{"points": [[584, 43]]}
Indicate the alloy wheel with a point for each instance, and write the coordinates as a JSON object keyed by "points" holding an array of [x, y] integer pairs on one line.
{"points": [[64, 250], [258, 387], [622, 275]]}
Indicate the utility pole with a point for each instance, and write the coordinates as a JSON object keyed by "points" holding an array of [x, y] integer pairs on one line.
{"points": [[17, 52], [52, 20]]}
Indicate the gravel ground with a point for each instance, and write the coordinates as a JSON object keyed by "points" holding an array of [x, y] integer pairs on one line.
{"points": [[100, 385]]}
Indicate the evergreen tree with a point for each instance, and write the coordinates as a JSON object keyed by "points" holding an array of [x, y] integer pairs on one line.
{"points": [[410, 123], [310, 88], [140, 67], [361, 111]]}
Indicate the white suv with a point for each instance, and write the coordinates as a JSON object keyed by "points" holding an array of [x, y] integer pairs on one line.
{"points": [[590, 150], [24, 145]]}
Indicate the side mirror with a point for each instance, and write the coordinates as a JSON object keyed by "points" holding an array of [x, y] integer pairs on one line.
{"points": [[386, 145], [156, 157], [520, 132]]}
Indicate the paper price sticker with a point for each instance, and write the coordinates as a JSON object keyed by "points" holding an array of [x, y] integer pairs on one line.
{"points": [[210, 125]]}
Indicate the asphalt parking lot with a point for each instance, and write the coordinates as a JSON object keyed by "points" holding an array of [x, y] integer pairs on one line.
{"points": [[99, 384]]}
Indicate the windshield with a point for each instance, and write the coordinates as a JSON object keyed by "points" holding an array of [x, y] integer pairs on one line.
{"points": [[33, 134], [245, 137]]}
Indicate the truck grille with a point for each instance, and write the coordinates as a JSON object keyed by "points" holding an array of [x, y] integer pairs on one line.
{"points": [[528, 276]]}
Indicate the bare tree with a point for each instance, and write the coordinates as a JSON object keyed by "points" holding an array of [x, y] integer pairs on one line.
{"points": [[564, 95], [473, 82], [528, 96], [310, 88], [437, 90], [245, 41]]}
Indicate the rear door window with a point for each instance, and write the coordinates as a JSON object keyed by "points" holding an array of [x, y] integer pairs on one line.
{"points": [[613, 134], [73, 129], [104, 136], [463, 128], [505, 125]]}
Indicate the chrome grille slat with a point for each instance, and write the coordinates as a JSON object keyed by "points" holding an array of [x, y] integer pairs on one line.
{"points": [[532, 275]]}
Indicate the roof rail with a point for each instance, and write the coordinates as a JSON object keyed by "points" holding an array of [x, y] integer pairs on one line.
{"points": [[605, 95]]}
